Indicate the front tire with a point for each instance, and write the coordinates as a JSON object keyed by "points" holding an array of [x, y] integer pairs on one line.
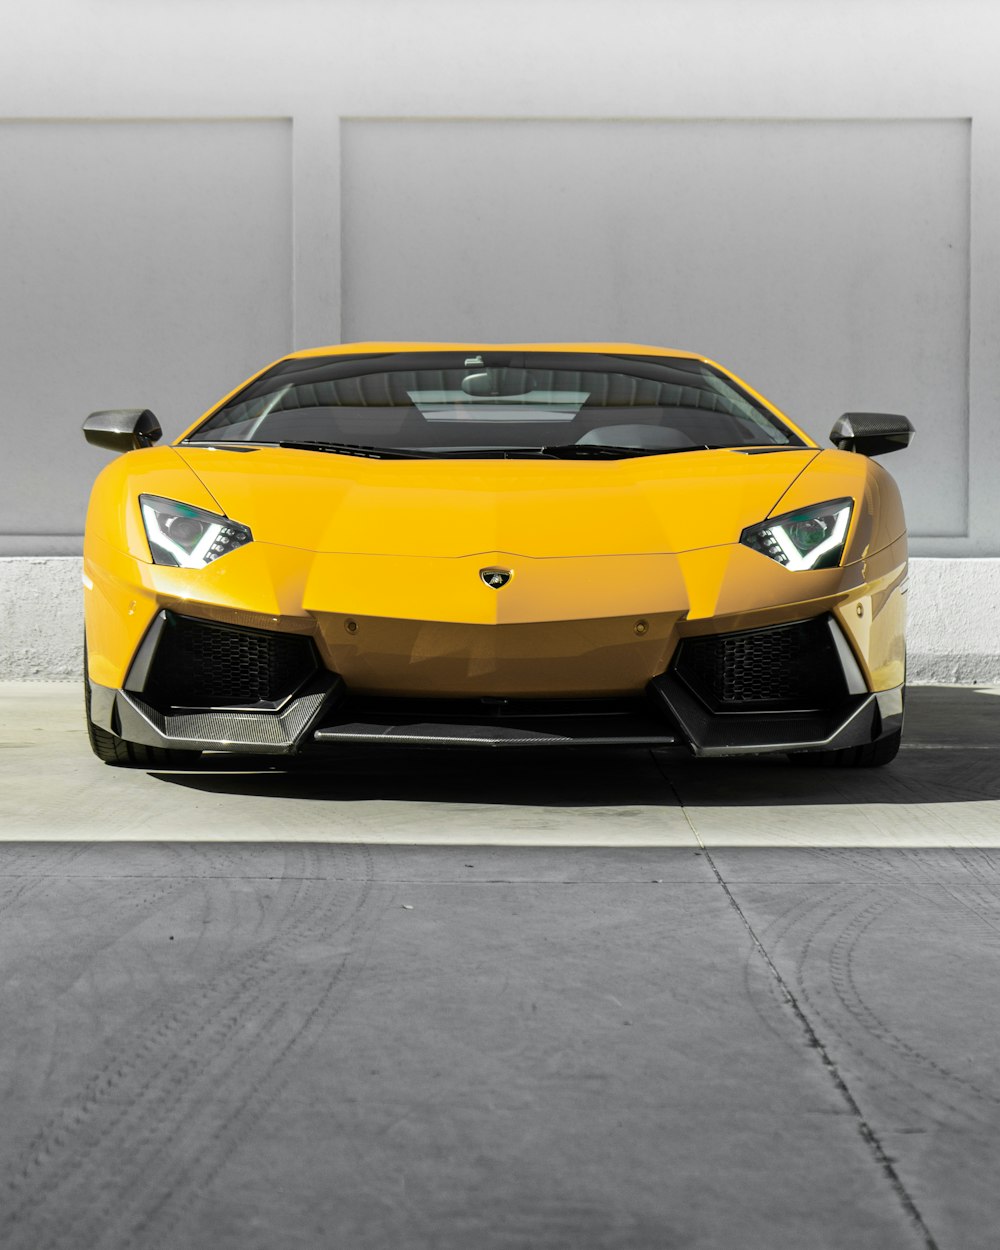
{"points": [[119, 752]]}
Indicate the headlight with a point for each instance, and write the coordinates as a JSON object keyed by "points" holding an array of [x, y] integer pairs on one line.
{"points": [[812, 538], [187, 537]]}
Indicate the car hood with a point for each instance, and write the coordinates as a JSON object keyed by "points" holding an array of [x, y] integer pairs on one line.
{"points": [[541, 508]]}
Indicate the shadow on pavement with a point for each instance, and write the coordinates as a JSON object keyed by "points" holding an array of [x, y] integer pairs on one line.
{"points": [[951, 754]]}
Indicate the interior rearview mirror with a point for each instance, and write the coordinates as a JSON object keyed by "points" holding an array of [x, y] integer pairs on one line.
{"points": [[871, 433], [500, 381], [122, 429]]}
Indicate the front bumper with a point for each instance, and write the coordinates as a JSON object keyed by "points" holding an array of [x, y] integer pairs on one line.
{"points": [[715, 651], [202, 685]]}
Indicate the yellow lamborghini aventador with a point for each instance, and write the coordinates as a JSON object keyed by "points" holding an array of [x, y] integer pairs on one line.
{"points": [[495, 545]]}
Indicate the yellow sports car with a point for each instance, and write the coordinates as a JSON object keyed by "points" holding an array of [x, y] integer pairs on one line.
{"points": [[487, 545]]}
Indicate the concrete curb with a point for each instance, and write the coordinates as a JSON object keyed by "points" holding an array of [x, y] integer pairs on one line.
{"points": [[954, 628]]}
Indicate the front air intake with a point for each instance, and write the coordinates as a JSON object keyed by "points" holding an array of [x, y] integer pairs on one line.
{"points": [[777, 668], [203, 664]]}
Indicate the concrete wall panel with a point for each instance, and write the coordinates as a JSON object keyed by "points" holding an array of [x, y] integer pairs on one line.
{"points": [[142, 263]]}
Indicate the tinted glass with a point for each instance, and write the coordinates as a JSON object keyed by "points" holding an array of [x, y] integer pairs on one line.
{"points": [[457, 403]]}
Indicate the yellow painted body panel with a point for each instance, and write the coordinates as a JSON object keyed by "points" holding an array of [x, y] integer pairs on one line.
{"points": [[426, 625], [612, 561], [538, 508]]}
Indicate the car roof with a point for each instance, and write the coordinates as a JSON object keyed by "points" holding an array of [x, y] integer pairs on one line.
{"points": [[612, 349]]}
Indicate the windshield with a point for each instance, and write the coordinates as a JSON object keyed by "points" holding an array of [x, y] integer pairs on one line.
{"points": [[490, 404]]}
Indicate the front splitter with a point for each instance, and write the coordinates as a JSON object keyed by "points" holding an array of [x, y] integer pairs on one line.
{"points": [[207, 729], [634, 732], [857, 721], [321, 716]]}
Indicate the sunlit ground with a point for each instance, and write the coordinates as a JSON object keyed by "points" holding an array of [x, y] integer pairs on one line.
{"points": [[943, 790]]}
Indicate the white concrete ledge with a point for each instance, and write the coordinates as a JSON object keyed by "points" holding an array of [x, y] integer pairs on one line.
{"points": [[41, 618], [953, 634], [954, 627]]}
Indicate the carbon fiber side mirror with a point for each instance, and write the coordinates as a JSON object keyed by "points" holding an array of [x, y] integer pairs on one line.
{"points": [[122, 429], [871, 433]]}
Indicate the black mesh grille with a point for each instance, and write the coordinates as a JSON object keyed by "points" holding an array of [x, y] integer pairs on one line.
{"points": [[202, 664], [782, 667]]}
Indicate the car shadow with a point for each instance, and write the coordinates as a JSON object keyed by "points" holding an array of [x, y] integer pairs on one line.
{"points": [[951, 754], [539, 778]]}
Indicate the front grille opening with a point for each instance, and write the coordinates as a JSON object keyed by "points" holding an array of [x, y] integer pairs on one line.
{"points": [[778, 668], [202, 664]]}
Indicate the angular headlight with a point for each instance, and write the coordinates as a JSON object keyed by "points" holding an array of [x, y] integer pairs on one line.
{"points": [[187, 537], [812, 538]]}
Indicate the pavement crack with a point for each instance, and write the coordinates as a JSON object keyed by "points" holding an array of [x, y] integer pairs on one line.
{"points": [[868, 1133]]}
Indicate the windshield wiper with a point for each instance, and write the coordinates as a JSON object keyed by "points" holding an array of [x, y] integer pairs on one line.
{"points": [[355, 449], [559, 451], [583, 451]]}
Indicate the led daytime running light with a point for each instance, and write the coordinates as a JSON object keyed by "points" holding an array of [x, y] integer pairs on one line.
{"points": [[187, 537], [811, 538]]}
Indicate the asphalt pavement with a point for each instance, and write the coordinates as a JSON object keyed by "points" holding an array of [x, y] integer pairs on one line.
{"points": [[466, 1002]]}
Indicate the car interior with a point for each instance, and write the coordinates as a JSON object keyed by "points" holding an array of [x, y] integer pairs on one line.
{"points": [[452, 409]]}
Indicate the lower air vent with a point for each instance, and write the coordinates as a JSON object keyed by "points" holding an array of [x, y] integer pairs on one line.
{"points": [[778, 668], [200, 664]]}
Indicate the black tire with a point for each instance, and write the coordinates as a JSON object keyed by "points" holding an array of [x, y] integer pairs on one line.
{"points": [[868, 755], [120, 753]]}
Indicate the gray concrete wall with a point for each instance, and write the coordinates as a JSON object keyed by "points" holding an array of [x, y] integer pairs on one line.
{"points": [[150, 259], [808, 193]]}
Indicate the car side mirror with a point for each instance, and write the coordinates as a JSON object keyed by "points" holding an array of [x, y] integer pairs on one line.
{"points": [[871, 433], [122, 429]]}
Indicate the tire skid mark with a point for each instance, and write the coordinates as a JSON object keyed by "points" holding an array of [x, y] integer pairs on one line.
{"points": [[868, 1133], [156, 1147], [822, 913], [17, 890], [777, 930], [254, 1070], [849, 1040], [102, 1087], [835, 1025], [842, 958], [955, 893], [107, 1086], [983, 868], [22, 882], [169, 1046], [973, 861], [986, 855], [248, 1112]]}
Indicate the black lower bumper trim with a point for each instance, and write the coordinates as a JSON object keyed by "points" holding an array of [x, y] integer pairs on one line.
{"points": [[324, 715], [539, 732], [264, 733], [855, 721]]}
